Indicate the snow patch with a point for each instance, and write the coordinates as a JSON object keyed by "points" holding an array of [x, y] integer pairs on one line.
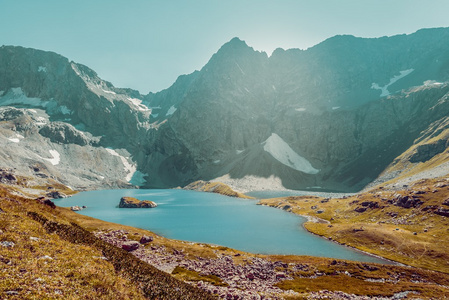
{"points": [[42, 69], [283, 153], [138, 104], [16, 138], [65, 110], [109, 92], [41, 121], [274, 88], [171, 110], [300, 109], [239, 151], [33, 111], [129, 168], [335, 107], [432, 83], [56, 157], [217, 161], [17, 96], [384, 88], [154, 115]]}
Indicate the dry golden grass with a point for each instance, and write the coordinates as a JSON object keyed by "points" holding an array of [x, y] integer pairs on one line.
{"points": [[53, 258], [351, 285], [78, 271], [189, 275], [408, 169], [43, 266], [414, 237]]}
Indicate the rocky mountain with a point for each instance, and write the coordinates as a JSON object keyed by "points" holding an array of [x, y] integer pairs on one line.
{"points": [[348, 106], [60, 121], [341, 115]]}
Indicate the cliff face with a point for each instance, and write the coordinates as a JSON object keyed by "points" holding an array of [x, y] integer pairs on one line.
{"points": [[334, 116], [59, 116], [349, 106]]}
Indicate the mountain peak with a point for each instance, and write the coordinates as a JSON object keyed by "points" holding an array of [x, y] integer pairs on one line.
{"points": [[235, 49], [235, 44]]}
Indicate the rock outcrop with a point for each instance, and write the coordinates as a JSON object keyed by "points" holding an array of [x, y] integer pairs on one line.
{"points": [[146, 239], [130, 202], [130, 246]]}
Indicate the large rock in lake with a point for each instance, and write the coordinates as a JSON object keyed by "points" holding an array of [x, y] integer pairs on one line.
{"points": [[130, 202]]}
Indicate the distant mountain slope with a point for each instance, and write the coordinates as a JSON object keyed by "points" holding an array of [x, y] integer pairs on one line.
{"points": [[349, 106], [347, 109], [58, 118]]}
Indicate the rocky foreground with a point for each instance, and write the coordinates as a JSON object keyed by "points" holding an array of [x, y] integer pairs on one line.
{"points": [[247, 280], [244, 276]]}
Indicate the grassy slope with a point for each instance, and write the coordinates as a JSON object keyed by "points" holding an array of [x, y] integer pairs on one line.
{"points": [[437, 132], [77, 270], [52, 258], [378, 230]]}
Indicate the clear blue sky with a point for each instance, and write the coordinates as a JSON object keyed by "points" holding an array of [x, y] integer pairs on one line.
{"points": [[147, 44]]}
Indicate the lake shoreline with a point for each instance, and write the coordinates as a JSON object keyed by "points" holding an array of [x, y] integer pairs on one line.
{"points": [[313, 219], [272, 239]]}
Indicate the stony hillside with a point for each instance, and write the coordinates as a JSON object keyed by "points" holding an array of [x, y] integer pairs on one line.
{"points": [[59, 120]]}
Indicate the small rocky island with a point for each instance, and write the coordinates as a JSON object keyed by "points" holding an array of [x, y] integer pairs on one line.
{"points": [[130, 202]]}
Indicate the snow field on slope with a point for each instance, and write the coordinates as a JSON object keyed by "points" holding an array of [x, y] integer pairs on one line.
{"points": [[384, 89], [56, 157], [283, 153], [129, 168]]}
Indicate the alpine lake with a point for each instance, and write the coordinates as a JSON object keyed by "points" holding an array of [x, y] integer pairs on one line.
{"points": [[214, 219]]}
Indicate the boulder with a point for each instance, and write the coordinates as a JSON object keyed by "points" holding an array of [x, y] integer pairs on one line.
{"points": [[407, 201], [280, 276], [442, 212], [250, 276], [56, 195], [286, 207], [130, 246], [130, 202], [430, 207], [370, 204], [7, 177], [46, 201], [146, 239], [360, 209]]}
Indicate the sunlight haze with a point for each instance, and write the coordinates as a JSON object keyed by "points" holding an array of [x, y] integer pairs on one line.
{"points": [[146, 45]]}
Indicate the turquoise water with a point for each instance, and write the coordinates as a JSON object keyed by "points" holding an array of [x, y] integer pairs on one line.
{"points": [[212, 218]]}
